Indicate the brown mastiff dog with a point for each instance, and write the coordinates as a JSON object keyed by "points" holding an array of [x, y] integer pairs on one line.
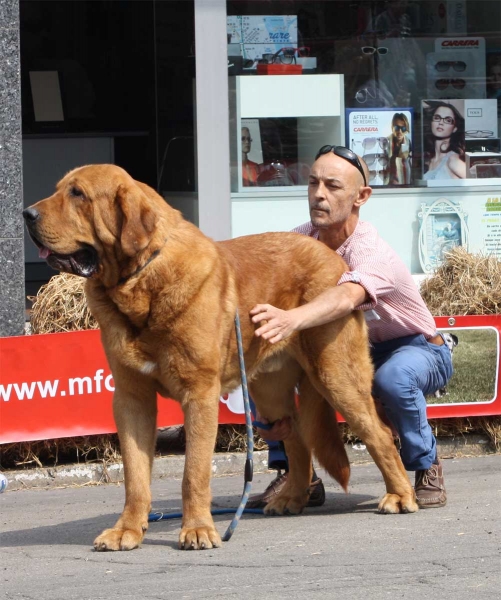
{"points": [[165, 297]]}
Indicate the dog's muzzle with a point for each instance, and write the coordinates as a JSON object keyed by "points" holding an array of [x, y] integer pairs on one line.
{"points": [[84, 262]]}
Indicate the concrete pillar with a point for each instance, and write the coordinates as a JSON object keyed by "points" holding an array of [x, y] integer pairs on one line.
{"points": [[12, 302], [212, 115]]}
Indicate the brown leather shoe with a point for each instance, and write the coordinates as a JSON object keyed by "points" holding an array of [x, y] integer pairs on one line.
{"points": [[430, 487], [317, 492]]}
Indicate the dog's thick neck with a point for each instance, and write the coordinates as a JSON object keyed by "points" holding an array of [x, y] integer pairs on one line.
{"points": [[130, 271], [126, 278]]}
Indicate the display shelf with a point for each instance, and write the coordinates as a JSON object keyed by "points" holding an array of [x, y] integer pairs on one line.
{"points": [[313, 103]]}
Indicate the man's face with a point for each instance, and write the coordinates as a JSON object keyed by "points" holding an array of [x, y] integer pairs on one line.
{"points": [[246, 140], [398, 129], [333, 188]]}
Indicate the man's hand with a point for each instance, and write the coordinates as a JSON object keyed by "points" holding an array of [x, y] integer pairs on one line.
{"points": [[280, 431], [279, 323]]}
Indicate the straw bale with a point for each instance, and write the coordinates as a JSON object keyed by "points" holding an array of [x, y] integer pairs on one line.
{"points": [[48, 453], [60, 305], [465, 284], [233, 438]]}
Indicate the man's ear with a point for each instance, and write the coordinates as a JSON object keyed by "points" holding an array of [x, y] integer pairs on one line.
{"points": [[363, 195], [138, 219]]}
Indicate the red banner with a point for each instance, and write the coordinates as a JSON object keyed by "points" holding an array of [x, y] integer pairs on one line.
{"points": [[60, 385]]}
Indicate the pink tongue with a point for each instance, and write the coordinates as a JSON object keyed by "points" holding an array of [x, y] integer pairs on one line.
{"points": [[44, 252]]}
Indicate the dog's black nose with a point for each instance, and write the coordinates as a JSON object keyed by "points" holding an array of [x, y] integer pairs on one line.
{"points": [[31, 215]]}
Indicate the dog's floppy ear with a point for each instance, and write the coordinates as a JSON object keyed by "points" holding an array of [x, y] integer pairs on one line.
{"points": [[138, 219]]}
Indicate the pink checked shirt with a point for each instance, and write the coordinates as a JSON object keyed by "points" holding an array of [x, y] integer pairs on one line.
{"points": [[394, 296]]}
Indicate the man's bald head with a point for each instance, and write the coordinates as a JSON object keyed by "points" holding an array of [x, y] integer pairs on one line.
{"points": [[347, 155], [336, 190]]}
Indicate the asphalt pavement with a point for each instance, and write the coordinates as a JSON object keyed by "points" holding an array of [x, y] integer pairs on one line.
{"points": [[341, 550]]}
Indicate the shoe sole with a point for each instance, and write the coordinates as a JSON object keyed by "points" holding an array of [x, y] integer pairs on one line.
{"points": [[435, 505]]}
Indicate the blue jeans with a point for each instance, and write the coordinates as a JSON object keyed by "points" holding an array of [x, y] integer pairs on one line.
{"points": [[407, 369], [277, 458]]}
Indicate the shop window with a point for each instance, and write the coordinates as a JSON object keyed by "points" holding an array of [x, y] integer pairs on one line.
{"points": [[420, 96]]}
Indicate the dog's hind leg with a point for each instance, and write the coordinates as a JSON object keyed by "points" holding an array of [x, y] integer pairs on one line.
{"points": [[320, 431], [273, 394], [135, 410], [336, 360], [358, 408]]}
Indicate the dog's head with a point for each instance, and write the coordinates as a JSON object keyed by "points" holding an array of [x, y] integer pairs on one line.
{"points": [[98, 218], [451, 340]]}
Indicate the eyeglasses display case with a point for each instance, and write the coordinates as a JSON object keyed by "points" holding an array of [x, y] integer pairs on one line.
{"points": [[277, 125]]}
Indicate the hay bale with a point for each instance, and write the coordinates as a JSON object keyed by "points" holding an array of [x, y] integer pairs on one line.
{"points": [[465, 284], [51, 453], [60, 305]]}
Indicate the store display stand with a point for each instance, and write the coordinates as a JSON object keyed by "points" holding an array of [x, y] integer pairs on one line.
{"points": [[317, 102]]}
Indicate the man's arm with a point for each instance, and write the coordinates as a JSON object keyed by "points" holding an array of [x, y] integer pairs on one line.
{"points": [[334, 303]]}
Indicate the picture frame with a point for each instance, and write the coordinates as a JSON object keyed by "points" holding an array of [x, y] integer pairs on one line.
{"points": [[443, 226]]}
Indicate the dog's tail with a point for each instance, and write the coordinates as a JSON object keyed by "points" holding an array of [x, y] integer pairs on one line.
{"points": [[320, 431]]}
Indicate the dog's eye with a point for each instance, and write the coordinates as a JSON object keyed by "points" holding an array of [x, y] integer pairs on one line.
{"points": [[76, 192]]}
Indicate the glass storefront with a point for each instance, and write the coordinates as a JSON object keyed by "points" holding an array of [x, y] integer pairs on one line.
{"points": [[107, 82], [412, 86]]}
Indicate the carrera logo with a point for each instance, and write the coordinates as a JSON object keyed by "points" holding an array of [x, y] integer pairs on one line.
{"points": [[461, 43]]}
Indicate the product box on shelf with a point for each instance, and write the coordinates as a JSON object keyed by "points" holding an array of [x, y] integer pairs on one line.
{"points": [[483, 165], [483, 145], [279, 69]]}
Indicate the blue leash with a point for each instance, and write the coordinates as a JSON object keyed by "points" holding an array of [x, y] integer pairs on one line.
{"points": [[249, 466]]}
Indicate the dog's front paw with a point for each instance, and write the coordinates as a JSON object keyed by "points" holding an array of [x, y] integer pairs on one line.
{"points": [[392, 504], [284, 504], [118, 539], [199, 538]]}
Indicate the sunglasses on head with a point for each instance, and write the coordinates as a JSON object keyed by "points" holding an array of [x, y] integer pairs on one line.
{"points": [[345, 153]]}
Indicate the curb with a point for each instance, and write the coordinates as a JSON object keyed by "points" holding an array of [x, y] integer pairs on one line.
{"points": [[223, 464]]}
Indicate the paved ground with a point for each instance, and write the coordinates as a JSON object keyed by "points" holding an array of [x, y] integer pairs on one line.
{"points": [[342, 550]]}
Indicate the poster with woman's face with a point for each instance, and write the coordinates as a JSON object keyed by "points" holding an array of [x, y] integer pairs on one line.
{"points": [[383, 138], [443, 139]]}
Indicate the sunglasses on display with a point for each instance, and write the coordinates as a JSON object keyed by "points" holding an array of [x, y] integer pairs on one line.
{"points": [[479, 133], [445, 65], [302, 52], [446, 120], [286, 56], [371, 50], [457, 84], [345, 153], [401, 128], [376, 160], [362, 95], [369, 143]]}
